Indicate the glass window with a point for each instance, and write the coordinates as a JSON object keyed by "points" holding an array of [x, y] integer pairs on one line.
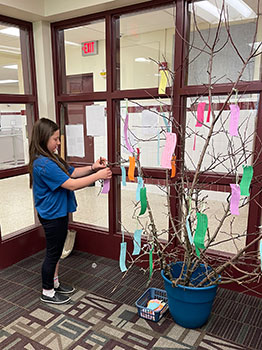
{"points": [[231, 236], [16, 205], [85, 62], [92, 206], [225, 153], [157, 199], [15, 77], [209, 52], [16, 121], [85, 130], [85, 141], [145, 41], [148, 120]]}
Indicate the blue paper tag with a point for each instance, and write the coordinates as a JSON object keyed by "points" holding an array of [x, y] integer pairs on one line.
{"points": [[123, 170], [140, 184], [189, 234], [122, 259], [137, 242], [260, 248]]}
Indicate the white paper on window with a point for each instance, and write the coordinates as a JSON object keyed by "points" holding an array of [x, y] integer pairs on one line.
{"points": [[75, 140], [95, 120]]}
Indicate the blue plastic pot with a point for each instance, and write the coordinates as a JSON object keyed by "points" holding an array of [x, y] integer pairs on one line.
{"points": [[190, 307]]}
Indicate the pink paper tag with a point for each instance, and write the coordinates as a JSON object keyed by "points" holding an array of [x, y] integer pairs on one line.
{"points": [[200, 114], [234, 118], [168, 150], [129, 147], [234, 200], [209, 110], [106, 187]]}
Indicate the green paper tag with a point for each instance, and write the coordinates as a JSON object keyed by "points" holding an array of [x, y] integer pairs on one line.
{"points": [[143, 200], [200, 233], [246, 180], [151, 262]]}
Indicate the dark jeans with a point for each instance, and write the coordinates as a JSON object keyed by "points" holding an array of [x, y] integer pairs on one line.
{"points": [[55, 232]]}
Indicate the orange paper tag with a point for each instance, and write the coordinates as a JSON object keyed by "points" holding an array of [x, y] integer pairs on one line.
{"points": [[131, 169], [173, 166]]}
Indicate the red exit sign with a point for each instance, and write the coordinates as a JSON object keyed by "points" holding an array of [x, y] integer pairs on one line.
{"points": [[89, 48]]}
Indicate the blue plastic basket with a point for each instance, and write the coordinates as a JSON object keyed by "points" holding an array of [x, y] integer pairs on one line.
{"points": [[144, 311]]}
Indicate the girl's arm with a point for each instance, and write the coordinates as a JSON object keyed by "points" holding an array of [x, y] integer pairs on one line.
{"points": [[75, 184], [83, 171], [86, 170]]}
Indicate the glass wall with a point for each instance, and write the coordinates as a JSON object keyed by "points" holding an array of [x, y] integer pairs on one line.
{"points": [[15, 125], [146, 39], [14, 60], [225, 153], [207, 68], [85, 141], [148, 120], [222, 48], [16, 205], [18, 111], [83, 48]]}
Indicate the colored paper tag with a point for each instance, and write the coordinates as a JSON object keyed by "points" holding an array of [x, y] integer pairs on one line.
{"points": [[235, 198], [169, 149], [129, 147], [200, 232], [194, 144], [137, 242], [209, 110], [143, 200], [189, 234], [166, 123], [151, 262], [200, 114], [122, 259], [140, 184], [106, 186], [163, 82], [138, 153], [123, 172], [234, 119], [173, 165], [246, 180], [131, 169]]}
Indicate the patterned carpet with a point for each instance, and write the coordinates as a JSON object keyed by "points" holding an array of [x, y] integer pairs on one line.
{"points": [[98, 319]]}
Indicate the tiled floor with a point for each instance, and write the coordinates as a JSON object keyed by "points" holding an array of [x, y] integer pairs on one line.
{"points": [[102, 313]]}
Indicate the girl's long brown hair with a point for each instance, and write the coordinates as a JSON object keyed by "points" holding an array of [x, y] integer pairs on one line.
{"points": [[43, 129]]}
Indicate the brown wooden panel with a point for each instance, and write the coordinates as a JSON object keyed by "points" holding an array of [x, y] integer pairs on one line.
{"points": [[21, 246]]}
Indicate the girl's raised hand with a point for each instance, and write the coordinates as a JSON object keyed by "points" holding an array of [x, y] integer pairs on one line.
{"points": [[100, 163], [105, 174]]}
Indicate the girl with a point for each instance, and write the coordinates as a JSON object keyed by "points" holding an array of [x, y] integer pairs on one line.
{"points": [[53, 182]]}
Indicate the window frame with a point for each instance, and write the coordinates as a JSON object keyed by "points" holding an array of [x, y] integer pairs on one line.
{"points": [[26, 98]]}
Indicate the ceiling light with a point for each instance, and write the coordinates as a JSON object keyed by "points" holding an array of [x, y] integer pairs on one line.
{"points": [[11, 31], [71, 43], [142, 59], [10, 49], [241, 7], [11, 66], [8, 81]]}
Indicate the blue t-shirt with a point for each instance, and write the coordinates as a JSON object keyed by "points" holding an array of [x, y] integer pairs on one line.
{"points": [[51, 200]]}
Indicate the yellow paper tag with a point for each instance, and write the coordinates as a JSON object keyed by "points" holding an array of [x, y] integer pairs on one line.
{"points": [[163, 82]]}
